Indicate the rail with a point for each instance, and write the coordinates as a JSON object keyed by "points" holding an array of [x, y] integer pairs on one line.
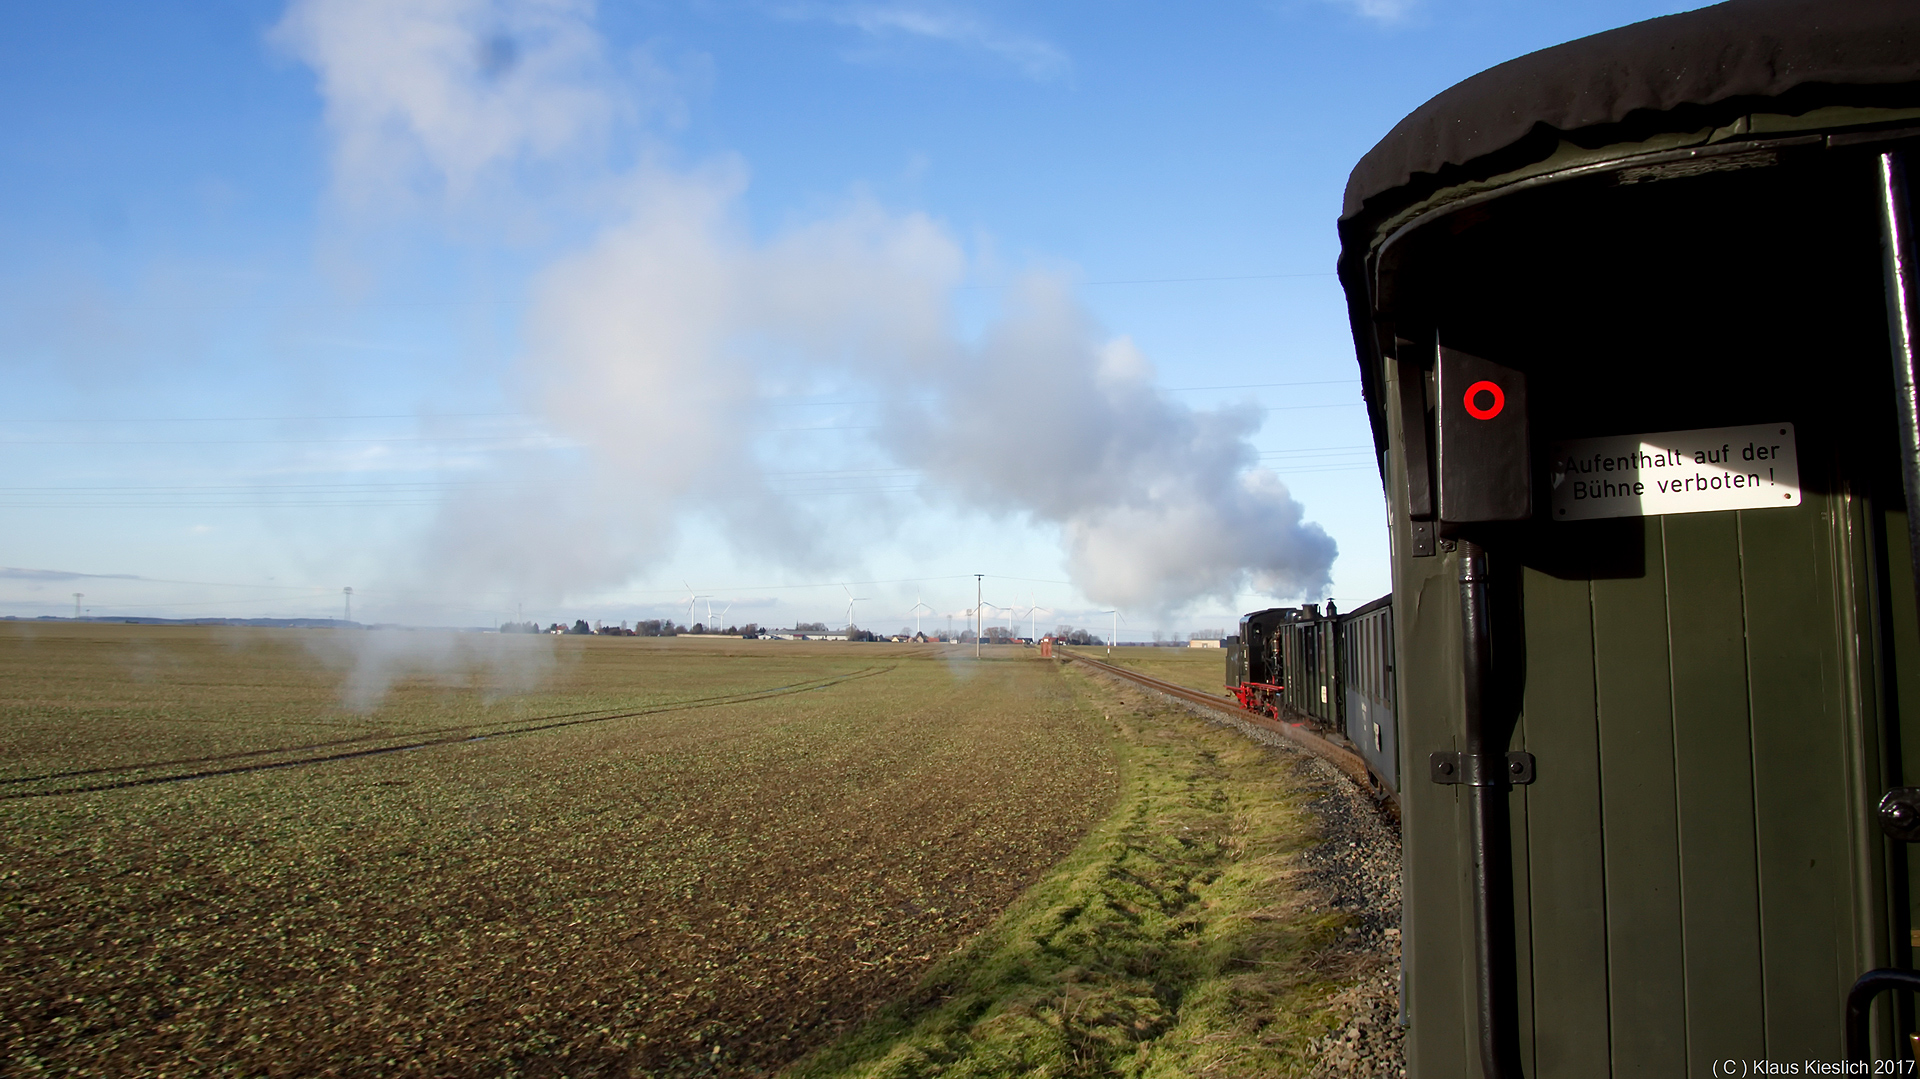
{"points": [[1350, 764]]}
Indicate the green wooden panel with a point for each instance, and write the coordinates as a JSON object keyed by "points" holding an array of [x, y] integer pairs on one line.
{"points": [[1904, 706], [1726, 1016], [1868, 722], [1904, 627], [1645, 976], [1566, 877], [1436, 905], [1800, 775], [1518, 830]]}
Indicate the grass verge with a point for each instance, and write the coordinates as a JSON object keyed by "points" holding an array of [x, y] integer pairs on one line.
{"points": [[1177, 939]]}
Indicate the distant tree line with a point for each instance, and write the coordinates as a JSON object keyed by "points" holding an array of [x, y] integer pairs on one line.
{"points": [[665, 627], [652, 627]]}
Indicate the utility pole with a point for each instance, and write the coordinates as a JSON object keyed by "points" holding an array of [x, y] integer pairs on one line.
{"points": [[347, 594], [76, 605], [978, 584]]}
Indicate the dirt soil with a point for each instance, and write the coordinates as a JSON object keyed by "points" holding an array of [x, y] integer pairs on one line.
{"points": [[588, 857]]}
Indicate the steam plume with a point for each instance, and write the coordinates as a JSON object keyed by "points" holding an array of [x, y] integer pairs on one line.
{"points": [[675, 317]]}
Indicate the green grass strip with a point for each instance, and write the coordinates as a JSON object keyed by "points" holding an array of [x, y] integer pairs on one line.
{"points": [[1173, 942]]}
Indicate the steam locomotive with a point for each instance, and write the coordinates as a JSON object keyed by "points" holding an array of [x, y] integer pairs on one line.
{"points": [[1330, 670]]}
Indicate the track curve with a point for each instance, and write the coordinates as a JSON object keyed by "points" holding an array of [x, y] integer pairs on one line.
{"points": [[1350, 764]]}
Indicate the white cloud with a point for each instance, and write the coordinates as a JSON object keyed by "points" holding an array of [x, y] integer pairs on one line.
{"points": [[1385, 11], [893, 23], [674, 322], [447, 92]]}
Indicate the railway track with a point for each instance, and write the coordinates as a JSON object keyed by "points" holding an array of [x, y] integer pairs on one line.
{"points": [[1330, 749]]}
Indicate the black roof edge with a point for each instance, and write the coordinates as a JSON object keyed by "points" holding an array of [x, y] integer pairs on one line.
{"points": [[1368, 607], [1695, 73]]}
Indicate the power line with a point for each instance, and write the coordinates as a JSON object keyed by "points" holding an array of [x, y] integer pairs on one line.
{"points": [[1304, 408], [275, 441], [523, 301], [530, 437], [1265, 385], [1162, 280], [271, 419], [772, 402]]}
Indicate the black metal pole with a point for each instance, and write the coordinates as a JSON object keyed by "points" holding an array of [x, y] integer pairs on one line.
{"points": [[1903, 309], [1901, 276], [1860, 1005], [1483, 772]]}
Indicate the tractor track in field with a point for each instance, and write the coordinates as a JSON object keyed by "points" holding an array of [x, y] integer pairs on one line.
{"points": [[124, 776]]}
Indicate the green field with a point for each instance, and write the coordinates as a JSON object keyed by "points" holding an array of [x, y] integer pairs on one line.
{"points": [[1203, 669], [292, 852]]}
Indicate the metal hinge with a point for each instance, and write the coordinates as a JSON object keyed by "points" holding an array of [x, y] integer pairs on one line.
{"points": [[1900, 814], [1450, 768], [1421, 537]]}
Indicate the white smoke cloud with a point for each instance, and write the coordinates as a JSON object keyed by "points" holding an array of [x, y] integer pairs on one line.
{"points": [[676, 321], [1158, 503], [450, 89], [371, 662]]}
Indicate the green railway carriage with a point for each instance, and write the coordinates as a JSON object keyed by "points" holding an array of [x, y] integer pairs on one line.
{"points": [[1309, 645], [1366, 688], [1331, 671], [1633, 317]]}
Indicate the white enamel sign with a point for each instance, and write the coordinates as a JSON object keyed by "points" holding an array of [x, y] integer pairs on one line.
{"points": [[1722, 468]]}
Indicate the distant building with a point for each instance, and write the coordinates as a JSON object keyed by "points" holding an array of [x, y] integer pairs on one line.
{"points": [[1204, 642]]}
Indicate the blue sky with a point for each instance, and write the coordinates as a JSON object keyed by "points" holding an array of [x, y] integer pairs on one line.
{"points": [[564, 310]]}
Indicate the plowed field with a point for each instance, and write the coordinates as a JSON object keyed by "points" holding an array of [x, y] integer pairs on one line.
{"points": [[536, 855]]}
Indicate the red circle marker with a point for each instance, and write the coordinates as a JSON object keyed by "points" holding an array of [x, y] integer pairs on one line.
{"points": [[1478, 388]]}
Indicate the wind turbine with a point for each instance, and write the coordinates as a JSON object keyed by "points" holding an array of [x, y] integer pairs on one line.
{"points": [[691, 600], [1033, 616], [851, 600], [1116, 628], [979, 582], [917, 604], [723, 611]]}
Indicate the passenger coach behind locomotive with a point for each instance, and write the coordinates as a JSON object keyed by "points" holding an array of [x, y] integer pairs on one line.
{"points": [[1622, 310]]}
